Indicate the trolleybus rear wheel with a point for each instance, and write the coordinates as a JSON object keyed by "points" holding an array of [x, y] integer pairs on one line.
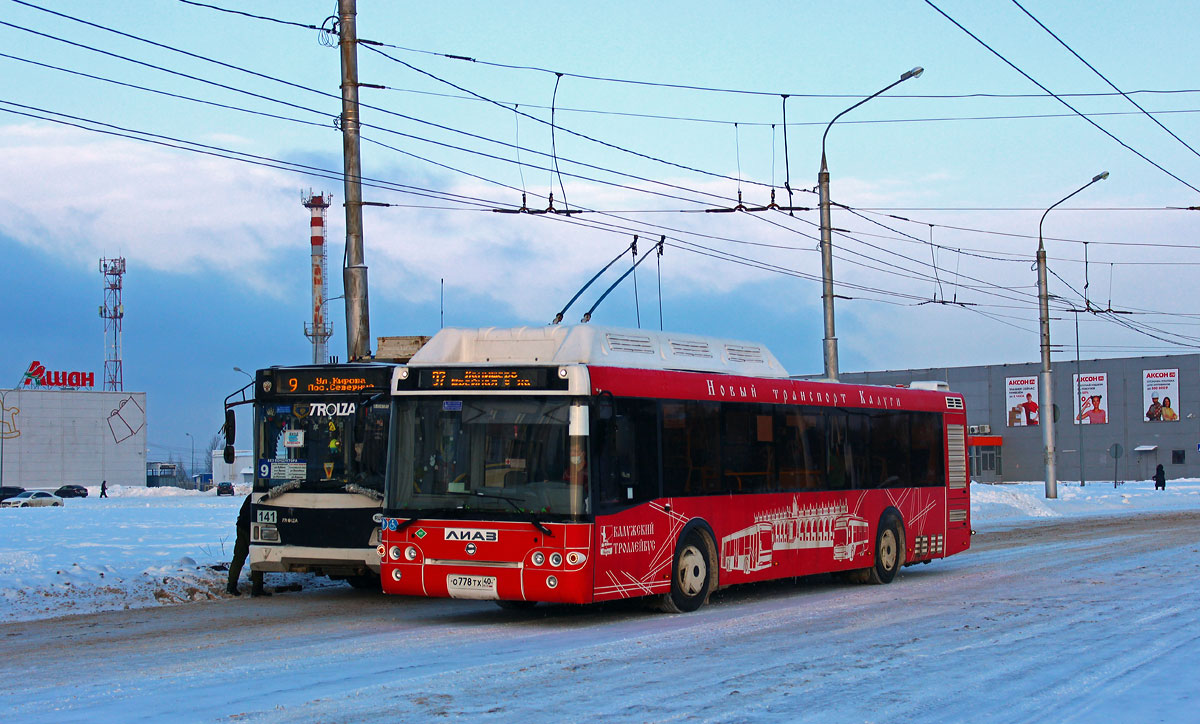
{"points": [[691, 574], [889, 550]]}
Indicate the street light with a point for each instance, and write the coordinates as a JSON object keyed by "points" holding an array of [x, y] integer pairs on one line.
{"points": [[239, 369], [830, 341], [1045, 397], [192, 469]]}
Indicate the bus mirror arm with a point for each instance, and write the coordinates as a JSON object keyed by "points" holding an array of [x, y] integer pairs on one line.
{"points": [[406, 524], [230, 426]]}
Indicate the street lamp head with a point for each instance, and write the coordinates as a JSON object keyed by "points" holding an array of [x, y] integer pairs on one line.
{"points": [[914, 73], [1100, 177]]}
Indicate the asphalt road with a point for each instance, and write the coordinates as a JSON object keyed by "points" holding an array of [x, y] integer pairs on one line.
{"points": [[1053, 617]]}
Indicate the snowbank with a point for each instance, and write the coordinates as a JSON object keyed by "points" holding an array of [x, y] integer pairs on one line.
{"points": [[1004, 505], [150, 546]]}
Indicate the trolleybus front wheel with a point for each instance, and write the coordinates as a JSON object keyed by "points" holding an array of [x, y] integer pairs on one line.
{"points": [[692, 574]]}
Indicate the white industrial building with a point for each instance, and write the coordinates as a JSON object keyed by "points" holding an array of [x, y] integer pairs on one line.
{"points": [[240, 471], [52, 437]]}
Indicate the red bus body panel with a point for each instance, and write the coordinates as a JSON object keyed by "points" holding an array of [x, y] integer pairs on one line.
{"points": [[757, 536]]}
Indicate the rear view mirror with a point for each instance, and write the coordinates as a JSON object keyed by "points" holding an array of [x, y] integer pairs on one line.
{"points": [[230, 428], [229, 454]]}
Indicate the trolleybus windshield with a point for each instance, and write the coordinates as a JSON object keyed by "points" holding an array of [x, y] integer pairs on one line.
{"points": [[321, 441], [502, 455]]}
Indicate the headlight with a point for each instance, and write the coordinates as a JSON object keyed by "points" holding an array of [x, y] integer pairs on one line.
{"points": [[556, 559], [538, 558], [267, 532], [575, 558], [551, 582], [410, 553], [395, 553], [395, 574]]}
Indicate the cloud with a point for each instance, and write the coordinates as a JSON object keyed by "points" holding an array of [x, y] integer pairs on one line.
{"points": [[188, 214], [82, 196]]}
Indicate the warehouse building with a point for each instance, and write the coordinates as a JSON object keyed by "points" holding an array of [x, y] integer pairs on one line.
{"points": [[1114, 419], [51, 437]]}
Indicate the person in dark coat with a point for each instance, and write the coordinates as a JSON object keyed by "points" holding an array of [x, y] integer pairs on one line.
{"points": [[1160, 478], [241, 549], [103, 488]]}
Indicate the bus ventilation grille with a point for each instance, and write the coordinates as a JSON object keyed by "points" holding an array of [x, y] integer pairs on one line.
{"points": [[740, 353], [628, 343], [954, 403], [956, 438], [690, 349]]}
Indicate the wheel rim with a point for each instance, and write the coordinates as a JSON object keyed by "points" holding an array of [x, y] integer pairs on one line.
{"points": [[693, 571], [887, 549]]}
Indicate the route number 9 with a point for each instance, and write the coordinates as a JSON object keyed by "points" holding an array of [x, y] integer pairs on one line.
{"points": [[292, 384], [264, 470]]}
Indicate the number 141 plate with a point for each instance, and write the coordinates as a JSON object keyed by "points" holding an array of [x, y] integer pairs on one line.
{"points": [[463, 586]]}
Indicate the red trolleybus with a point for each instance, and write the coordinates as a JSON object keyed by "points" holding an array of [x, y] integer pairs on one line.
{"points": [[582, 463]]}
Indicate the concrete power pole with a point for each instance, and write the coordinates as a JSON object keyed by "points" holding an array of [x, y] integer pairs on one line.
{"points": [[354, 274]]}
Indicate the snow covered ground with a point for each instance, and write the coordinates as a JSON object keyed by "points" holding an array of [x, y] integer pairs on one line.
{"points": [[1072, 610], [151, 546]]}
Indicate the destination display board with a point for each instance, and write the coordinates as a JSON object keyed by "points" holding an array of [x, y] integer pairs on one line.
{"points": [[310, 381], [488, 378]]}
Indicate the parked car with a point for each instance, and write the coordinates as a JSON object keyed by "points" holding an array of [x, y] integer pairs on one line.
{"points": [[225, 488], [72, 491], [32, 499], [9, 491]]}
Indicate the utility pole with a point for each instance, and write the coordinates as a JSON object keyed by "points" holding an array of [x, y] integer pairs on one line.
{"points": [[1046, 401], [829, 344], [354, 273]]}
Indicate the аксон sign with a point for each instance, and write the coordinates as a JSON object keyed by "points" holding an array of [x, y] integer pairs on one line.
{"points": [[38, 375]]}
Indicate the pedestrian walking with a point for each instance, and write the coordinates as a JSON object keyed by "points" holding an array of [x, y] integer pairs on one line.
{"points": [[103, 488], [1160, 478], [241, 549]]}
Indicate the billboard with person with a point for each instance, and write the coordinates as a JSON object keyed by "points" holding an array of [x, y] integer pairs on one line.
{"points": [[1091, 398], [1021, 394], [1160, 395]]}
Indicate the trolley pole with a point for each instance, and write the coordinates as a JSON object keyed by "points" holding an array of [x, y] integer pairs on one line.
{"points": [[354, 273]]}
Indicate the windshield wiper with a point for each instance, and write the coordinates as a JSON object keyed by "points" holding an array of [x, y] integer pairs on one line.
{"points": [[533, 518]]}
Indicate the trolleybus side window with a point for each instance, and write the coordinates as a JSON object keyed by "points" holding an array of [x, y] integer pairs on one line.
{"points": [[625, 455], [691, 450], [748, 449], [801, 448], [890, 447], [928, 450]]}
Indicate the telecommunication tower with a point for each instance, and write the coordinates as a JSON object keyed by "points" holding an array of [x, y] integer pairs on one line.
{"points": [[113, 312], [319, 331]]}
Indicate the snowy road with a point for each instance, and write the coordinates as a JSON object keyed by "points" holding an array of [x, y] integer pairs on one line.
{"points": [[1063, 620]]}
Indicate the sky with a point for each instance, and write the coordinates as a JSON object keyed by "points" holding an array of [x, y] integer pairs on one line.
{"points": [[969, 155]]}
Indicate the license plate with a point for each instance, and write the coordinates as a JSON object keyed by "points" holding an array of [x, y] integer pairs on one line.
{"points": [[463, 586]]}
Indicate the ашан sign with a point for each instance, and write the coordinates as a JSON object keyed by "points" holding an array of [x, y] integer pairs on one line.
{"points": [[38, 376]]}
